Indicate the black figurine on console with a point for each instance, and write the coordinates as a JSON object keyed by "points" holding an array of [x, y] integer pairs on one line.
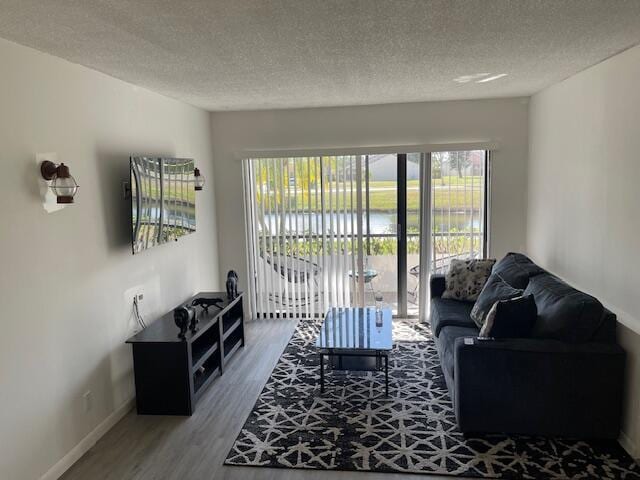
{"points": [[232, 284], [183, 316], [193, 325], [205, 303]]}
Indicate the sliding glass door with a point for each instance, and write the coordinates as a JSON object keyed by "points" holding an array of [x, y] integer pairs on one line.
{"points": [[332, 231], [459, 206], [381, 215], [304, 228], [412, 196]]}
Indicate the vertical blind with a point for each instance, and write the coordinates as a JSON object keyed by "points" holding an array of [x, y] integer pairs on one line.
{"points": [[305, 220], [305, 234], [458, 206]]}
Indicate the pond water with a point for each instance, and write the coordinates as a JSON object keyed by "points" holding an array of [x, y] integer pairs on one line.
{"points": [[380, 222]]}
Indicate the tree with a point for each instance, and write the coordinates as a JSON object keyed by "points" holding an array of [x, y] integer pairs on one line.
{"points": [[459, 161], [287, 185], [436, 164]]}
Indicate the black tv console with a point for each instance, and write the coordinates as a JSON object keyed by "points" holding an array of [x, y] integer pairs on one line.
{"points": [[171, 374]]}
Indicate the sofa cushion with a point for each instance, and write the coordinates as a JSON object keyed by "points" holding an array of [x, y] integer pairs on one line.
{"points": [[448, 312], [564, 313], [512, 318], [447, 343], [437, 284], [494, 290], [606, 332], [516, 269], [466, 278]]}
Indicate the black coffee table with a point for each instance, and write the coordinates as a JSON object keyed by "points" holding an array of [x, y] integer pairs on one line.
{"points": [[352, 340]]}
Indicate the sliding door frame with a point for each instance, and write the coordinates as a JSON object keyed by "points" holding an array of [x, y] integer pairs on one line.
{"points": [[486, 250], [402, 233], [425, 226]]}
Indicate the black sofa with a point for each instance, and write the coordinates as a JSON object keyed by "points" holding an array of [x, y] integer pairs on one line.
{"points": [[566, 380]]}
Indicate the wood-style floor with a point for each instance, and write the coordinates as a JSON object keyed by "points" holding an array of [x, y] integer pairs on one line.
{"points": [[194, 448]]}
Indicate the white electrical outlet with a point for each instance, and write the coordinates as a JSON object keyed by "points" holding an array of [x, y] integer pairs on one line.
{"points": [[87, 401], [135, 294]]}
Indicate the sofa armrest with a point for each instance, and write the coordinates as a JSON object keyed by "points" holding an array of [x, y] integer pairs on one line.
{"points": [[437, 285], [534, 386]]}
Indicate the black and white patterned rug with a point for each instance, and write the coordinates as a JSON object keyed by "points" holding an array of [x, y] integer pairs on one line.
{"points": [[353, 426]]}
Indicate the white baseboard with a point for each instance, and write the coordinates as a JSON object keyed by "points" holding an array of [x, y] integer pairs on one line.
{"points": [[65, 463], [629, 445]]}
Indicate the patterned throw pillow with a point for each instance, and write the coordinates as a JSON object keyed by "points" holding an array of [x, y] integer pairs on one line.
{"points": [[466, 278]]}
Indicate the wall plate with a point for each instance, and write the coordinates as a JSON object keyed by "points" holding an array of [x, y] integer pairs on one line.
{"points": [[49, 200]]}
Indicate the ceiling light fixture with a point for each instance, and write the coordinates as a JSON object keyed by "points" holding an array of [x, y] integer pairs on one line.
{"points": [[470, 78], [63, 185], [492, 78]]}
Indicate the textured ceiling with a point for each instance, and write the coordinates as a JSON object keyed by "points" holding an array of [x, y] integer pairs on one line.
{"points": [[255, 54]]}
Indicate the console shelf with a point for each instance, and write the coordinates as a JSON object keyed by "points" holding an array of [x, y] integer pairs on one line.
{"points": [[232, 328], [198, 360], [231, 347], [171, 373]]}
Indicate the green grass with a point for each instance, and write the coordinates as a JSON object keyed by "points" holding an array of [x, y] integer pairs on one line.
{"points": [[440, 181], [455, 180], [171, 192], [386, 200]]}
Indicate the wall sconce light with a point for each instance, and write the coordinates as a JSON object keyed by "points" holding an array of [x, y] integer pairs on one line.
{"points": [[199, 179], [63, 185]]}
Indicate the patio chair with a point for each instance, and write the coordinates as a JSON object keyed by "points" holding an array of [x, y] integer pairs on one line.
{"points": [[441, 265], [296, 271]]}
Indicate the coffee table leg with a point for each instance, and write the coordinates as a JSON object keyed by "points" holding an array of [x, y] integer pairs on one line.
{"points": [[321, 373], [386, 375]]}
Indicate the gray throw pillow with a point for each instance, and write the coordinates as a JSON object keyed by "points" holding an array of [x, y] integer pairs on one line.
{"points": [[516, 269], [494, 290], [466, 278]]}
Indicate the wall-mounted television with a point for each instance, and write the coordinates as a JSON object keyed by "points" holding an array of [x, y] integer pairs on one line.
{"points": [[163, 201]]}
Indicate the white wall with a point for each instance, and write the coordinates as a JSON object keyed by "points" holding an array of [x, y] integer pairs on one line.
{"points": [[584, 196], [64, 275], [503, 121]]}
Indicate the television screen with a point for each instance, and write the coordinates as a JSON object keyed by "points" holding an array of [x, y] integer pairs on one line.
{"points": [[163, 202]]}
